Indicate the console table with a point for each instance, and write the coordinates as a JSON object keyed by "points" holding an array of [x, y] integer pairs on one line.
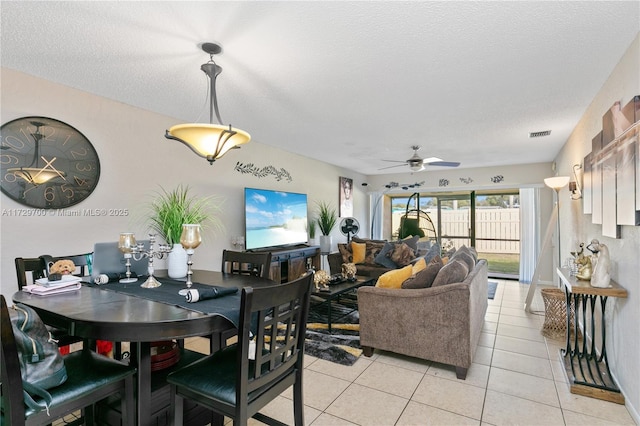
{"points": [[586, 363]]}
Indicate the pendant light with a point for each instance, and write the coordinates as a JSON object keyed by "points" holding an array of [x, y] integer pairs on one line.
{"points": [[209, 140]]}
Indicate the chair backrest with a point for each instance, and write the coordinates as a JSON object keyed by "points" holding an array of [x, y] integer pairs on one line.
{"points": [[83, 262], [29, 269], [12, 398], [276, 316], [246, 263]]}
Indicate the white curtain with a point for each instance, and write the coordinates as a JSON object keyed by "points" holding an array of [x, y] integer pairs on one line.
{"points": [[376, 203], [529, 232]]}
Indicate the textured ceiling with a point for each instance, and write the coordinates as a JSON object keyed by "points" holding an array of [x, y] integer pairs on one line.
{"points": [[349, 83]]}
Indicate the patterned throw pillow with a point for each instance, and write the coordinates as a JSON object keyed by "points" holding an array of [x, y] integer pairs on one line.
{"points": [[372, 250], [345, 251], [402, 254], [383, 258]]}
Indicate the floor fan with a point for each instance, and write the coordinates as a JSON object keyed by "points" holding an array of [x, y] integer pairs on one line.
{"points": [[349, 226]]}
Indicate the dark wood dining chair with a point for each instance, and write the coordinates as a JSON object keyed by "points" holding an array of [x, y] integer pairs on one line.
{"points": [[90, 378], [242, 263], [246, 263], [238, 384], [29, 269], [83, 263]]}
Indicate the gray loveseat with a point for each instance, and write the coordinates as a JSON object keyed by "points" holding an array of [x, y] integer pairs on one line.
{"points": [[440, 324]]}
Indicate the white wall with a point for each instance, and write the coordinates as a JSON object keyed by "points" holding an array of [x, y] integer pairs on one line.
{"points": [[623, 315], [136, 159]]}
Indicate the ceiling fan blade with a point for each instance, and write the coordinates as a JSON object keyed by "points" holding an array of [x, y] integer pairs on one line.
{"points": [[431, 160], [444, 163], [394, 161], [390, 167]]}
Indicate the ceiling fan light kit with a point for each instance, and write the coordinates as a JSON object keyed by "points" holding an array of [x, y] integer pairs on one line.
{"points": [[417, 163], [209, 140]]}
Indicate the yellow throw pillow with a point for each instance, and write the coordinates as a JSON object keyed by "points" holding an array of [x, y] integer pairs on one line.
{"points": [[359, 251], [394, 278], [419, 266]]}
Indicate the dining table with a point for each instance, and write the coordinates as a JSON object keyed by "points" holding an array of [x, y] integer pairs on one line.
{"points": [[129, 313]]}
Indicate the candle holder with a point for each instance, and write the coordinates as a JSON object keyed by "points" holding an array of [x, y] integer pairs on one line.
{"points": [[190, 239], [126, 244], [138, 252]]}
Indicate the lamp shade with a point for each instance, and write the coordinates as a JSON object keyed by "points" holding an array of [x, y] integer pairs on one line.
{"points": [[210, 141], [557, 182]]}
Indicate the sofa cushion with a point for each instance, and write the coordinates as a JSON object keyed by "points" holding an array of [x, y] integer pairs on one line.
{"points": [[345, 251], [466, 257], [455, 271], [411, 242], [418, 266], [373, 247], [433, 252], [394, 278], [402, 255], [358, 250], [425, 277], [383, 258]]}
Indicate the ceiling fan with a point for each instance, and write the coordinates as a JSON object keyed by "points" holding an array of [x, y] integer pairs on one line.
{"points": [[416, 163]]}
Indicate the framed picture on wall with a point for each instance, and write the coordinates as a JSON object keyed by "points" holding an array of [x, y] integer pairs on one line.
{"points": [[346, 197]]}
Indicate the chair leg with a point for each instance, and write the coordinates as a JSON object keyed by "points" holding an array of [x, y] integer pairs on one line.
{"points": [[298, 402], [128, 407], [176, 408], [461, 373]]}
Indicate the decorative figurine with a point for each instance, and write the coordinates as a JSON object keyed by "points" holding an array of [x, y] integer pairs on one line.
{"points": [[600, 276], [349, 271], [321, 280]]}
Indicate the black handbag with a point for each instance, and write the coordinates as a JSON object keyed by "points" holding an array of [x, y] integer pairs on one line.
{"points": [[41, 364]]}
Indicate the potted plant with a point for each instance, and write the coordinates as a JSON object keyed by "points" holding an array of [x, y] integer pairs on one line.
{"points": [[327, 218], [169, 210], [311, 228]]}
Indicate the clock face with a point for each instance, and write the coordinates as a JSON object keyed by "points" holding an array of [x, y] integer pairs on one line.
{"points": [[46, 163]]}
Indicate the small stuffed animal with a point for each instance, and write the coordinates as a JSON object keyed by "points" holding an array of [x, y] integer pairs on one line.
{"points": [[60, 268]]}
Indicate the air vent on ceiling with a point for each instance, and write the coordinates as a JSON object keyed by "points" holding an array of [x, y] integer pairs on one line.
{"points": [[539, 134]]}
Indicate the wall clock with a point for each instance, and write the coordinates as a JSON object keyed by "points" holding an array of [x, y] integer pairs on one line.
{"points": [[46, 163]]}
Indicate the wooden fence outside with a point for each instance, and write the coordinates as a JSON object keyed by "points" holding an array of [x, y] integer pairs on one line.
{"points": [[491, 224]]}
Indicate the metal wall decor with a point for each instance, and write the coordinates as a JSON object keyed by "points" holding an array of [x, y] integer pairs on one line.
{"points": [[497, 179], [443, 182], [466, 180], [260, 172]]}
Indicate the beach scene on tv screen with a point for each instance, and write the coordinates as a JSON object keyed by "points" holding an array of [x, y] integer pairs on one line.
{"points": [[274, 218]]}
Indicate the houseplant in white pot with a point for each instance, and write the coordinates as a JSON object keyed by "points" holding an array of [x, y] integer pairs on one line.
{"points": [[169, 210], [327, 218], [311, 228]]}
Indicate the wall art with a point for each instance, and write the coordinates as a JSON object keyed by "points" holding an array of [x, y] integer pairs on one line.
{"points": [[345, 194], [260, 172]]}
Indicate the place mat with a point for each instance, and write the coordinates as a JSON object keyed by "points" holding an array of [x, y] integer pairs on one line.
{"points": [[227, 306]]}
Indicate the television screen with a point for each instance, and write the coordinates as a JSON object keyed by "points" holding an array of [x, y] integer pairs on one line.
{"points": [[274, 218]]}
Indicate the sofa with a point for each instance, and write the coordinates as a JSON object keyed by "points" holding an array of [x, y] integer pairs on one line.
{"points": [[439, 323], [374, 253]]}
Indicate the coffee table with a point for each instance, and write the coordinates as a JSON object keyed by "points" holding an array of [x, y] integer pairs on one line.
{"points": [[322, 309]]}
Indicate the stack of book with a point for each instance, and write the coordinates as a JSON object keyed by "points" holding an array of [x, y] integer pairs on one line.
{"points": [[45, 287]]}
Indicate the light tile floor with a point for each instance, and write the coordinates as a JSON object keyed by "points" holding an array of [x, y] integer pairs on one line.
{"points": [[516, 378]]}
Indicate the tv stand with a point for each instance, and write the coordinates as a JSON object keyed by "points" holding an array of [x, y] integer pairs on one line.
{"points": [[289, 263]]}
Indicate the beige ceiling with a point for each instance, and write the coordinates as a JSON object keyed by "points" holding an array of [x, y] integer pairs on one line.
{"points": [[349, 83]]}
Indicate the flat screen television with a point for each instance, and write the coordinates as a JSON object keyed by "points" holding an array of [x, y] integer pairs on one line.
{"points": [[274, 218]]}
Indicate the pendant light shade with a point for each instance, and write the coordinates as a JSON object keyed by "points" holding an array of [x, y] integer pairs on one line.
{"points": [[209, 140]]}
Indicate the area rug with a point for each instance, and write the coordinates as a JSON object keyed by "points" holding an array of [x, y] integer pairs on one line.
{"points": [[342, 345], [493, 285]]}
